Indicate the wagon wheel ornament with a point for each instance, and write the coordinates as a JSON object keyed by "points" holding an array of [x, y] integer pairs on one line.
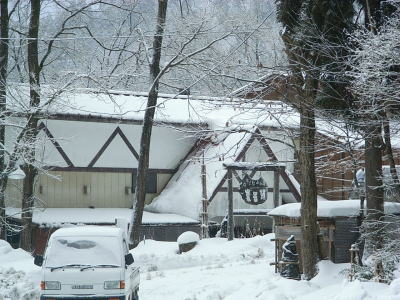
{"points": [[248, 187]]}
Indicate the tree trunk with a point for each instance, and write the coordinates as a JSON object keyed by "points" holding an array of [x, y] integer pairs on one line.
{"points": [[373, 172], [27, 206], [392, 164], [308, 187], [4, 19], [373, 151], [34, 86], [140, 190]]}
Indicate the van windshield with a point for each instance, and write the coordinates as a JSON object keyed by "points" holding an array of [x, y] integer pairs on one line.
{"points": [[82, 250]]}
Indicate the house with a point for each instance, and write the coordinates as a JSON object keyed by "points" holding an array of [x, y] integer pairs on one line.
{"points": [[339, 151], [88, 147], [338, 223]]}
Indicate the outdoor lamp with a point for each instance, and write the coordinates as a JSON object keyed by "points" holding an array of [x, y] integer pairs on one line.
{"points": [[17, 174]]}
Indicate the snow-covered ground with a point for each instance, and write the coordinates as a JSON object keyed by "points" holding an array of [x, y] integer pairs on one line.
{"points": [[214, 269]]}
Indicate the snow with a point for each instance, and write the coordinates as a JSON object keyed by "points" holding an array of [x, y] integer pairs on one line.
{"points": [[89, 250], [249, 211], [188, 237], [127, 105], [19, 277], [213, 112], [87, 231], [182, 195], [329, 209], [54, 217], [214, 269]]}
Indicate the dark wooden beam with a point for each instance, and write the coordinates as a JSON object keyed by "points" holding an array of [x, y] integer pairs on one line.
{"points": [[107, 169], [238, 158], [56, 144], [116, 119], [236, 190], [116, 132], [285, 177], [230, 206], [254, 167], [276, 188]]}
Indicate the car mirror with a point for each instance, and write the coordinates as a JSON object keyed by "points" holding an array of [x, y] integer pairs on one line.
{"points": [[38, 260], [129, 259]]}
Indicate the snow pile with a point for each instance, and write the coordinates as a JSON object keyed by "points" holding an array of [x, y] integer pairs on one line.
{"points": [[183, 193], [329, 209], [19, 277], [16, 285], [188, 237], [215, 269], [239, 269], [5, 247], [216, 252]]}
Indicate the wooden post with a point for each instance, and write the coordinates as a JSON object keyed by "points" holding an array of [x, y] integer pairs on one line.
{"points": [[276, 188], [230, 206], [204, 212]]}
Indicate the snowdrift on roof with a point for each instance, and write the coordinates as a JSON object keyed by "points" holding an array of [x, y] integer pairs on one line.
{"points": [[183, 193], [55, 217], [330, 209]]}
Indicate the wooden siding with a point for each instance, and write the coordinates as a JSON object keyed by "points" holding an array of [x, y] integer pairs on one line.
{"points": [[334, 168], [66, 189], [346, 233], [338, 234]]}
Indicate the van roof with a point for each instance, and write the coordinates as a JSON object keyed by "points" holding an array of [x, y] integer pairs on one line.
{"points": [[88, 231]]}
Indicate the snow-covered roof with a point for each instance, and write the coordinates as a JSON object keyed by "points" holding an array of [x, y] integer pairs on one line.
{"points": [[182, 195], [185, 109], [214, 112], [330, 209], [54, 217]]}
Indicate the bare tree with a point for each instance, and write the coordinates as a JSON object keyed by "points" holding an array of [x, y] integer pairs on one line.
{"points": [[155, 73], [26, 140], [4, 20], [185, 54]]}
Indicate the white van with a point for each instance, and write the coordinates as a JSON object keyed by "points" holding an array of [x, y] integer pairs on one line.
{"points": [[88, 262]]}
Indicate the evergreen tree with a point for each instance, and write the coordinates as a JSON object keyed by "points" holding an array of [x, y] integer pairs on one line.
{"points": [[309, 26]]}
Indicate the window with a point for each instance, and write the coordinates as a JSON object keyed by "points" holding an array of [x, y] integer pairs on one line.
{"points": [[151, 182], [75, 251]]}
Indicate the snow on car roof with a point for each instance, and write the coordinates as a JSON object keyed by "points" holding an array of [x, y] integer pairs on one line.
{"points": [[88, 231]]}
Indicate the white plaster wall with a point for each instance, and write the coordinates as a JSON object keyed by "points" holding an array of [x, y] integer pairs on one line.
{"points": [[219, 205], [82, 140], [279, 141]]}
